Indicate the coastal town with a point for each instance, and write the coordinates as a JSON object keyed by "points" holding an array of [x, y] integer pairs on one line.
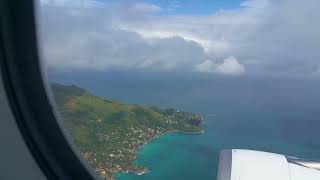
{"points": [[119, 156]]}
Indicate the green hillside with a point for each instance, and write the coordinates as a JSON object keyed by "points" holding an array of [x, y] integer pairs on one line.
{"points": [[108, 132]]}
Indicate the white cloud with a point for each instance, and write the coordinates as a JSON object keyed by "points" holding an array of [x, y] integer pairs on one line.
{"points": [[124, 35], [229, 66], [215, 46], [217, 33]]}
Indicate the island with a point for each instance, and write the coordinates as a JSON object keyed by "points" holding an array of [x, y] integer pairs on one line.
{"points": [[108, 133]]}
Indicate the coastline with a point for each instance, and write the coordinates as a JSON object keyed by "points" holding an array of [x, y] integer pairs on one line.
{"points": [[165, 133], [145, 170]]}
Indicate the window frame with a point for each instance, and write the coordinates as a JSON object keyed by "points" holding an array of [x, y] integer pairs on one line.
{"points": [[29, 98]]}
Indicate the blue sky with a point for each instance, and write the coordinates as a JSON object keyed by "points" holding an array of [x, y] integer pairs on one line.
{"points": [[190, 7], [195, 7]]}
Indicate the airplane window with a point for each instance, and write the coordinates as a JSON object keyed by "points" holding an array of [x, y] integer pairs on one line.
{"points": [[157, 89]]}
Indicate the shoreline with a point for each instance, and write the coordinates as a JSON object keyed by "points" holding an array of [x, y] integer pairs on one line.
{"points": [[145, 170], [165, 133]]}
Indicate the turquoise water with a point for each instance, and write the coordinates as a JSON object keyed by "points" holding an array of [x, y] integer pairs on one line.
{"points": [[185, 156], [276, 115]]}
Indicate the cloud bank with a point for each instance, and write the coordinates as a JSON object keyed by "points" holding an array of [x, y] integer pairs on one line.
{"points": [[260, 37]]}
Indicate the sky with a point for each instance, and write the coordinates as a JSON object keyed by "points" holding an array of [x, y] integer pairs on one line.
{"points": [[215, 37]]}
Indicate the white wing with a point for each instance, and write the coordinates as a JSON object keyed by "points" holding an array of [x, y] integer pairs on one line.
{"points": [[239, 164]]}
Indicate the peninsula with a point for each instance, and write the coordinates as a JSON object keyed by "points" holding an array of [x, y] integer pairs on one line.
{"points": [[108, 133]]}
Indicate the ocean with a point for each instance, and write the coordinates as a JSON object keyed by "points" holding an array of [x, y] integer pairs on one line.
{"points": [[278, 115]]}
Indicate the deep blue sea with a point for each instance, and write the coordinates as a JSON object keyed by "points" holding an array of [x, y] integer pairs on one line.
{"points": [[280, 115]]}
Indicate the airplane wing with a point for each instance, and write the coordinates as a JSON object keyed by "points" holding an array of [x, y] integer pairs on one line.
{"points": [[239, 164]]}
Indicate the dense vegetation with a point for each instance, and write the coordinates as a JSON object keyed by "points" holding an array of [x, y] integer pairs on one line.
{"points": [[108, 132]]}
